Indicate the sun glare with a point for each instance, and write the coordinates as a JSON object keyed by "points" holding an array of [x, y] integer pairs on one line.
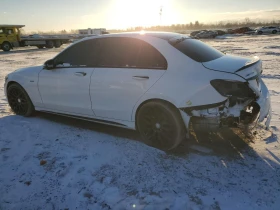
{"points": [[129, 13]]}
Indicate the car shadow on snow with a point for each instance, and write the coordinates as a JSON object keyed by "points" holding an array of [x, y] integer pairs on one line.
{"points": [[228, 143]]}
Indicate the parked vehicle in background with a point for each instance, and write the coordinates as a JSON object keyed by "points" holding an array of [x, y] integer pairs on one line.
{"points": [[10, 37], [220, 32], [241, 30], [158, 83], [94, 31], [268, 30], [192, 34], [206, 34]]}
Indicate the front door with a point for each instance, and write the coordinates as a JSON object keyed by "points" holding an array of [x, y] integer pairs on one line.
{"points": [[126, 69], [65, 88]]}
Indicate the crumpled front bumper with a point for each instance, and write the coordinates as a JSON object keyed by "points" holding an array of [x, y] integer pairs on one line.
{"points": [[265, 105]]}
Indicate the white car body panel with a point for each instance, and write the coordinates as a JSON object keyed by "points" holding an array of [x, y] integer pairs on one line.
{"points": [[66, 89], [28, 79], [113, 95], [115, 91]]}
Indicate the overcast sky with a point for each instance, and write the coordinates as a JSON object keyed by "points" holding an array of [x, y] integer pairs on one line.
{"points": [[45, 15]]}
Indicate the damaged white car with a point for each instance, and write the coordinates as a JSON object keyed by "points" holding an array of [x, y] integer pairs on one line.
{"points": [[157, 83]]}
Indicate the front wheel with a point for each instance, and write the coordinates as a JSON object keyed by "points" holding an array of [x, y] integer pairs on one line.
{"points": [[274, 32], [6, 46], [260, 32], [160, 125], [19, 100]]}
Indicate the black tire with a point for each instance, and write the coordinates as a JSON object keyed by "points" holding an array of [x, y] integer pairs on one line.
{"points": [[57, 44], [19, 100], [274, 32], [260, 32], [50, 44], [160, 125], [6, 46], [40, 46]]}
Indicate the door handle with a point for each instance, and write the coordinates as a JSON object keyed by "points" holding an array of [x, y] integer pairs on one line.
{"points": [[80, 74], [140, 77]]}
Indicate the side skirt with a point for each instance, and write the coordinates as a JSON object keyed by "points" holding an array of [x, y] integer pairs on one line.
{"points": [[106, 122]]}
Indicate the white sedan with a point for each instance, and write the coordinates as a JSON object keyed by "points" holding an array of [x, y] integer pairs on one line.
{"points": [[157, 83], [268, 30]]}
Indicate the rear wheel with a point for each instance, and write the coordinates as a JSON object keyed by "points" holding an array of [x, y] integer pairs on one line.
{"points": [[19, 100], [57, 44], [274, 32], [40, 46], [50, 44], [260, 32], [6, 46], [160, 125]]}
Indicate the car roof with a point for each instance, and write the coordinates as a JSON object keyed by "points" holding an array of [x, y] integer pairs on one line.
{"points": [[160, 35]]}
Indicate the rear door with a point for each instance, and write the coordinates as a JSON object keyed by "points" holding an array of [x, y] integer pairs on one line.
{"points": [[127, 68]]}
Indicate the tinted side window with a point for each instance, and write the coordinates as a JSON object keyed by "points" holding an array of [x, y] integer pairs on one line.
{"points": [[198, 50], [82, 54], [120, 52], [150, 58]]}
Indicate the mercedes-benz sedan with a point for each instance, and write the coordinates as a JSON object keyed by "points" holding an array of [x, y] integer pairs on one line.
{"points": [[157, 83]]}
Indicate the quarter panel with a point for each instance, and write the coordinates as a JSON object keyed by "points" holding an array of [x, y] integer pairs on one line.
{"points": [[186, 82]]}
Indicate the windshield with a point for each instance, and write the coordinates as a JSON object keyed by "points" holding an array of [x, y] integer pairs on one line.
{"points": [[197, 50]]}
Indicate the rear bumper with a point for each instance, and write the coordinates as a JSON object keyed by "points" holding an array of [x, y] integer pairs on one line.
{"points": [[213, 119], [265, 105]]}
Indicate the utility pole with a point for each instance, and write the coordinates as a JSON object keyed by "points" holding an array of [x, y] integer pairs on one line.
{"points": [[160, 15]]}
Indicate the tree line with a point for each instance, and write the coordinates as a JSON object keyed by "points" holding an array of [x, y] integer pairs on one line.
{"points": [[181, 28], [247, 22]]}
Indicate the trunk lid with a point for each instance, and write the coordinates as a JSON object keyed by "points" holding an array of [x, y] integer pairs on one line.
{"points": [[248, 68]]}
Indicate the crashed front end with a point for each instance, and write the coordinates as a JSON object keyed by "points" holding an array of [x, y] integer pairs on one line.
{"points": [[247, 103]]}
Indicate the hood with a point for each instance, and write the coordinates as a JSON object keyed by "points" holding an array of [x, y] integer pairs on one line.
{"points": [[247, 68], [33, 69]]}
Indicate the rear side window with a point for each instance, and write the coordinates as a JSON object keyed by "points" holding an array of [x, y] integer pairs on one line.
{"points": [[198, 50], [82, 54], [120, 52], [150, 58]]}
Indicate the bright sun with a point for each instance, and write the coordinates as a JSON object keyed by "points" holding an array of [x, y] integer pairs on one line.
{"points": [[140, 12]]}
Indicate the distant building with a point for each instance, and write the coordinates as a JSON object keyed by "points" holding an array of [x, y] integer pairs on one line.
{"points": [[96, 31]]}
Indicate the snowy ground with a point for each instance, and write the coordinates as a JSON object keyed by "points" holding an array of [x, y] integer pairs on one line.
{"points": [[91, 166]]}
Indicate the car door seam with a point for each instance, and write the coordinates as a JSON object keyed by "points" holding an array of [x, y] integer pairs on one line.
{"points": [[145, 93], [39, 88], [89, 92]]}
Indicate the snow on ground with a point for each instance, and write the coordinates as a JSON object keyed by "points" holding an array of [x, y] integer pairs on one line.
{"points": [[51, 162]]}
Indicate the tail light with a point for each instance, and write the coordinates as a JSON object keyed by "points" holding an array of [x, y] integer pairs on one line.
{"points": [[229, 88]]}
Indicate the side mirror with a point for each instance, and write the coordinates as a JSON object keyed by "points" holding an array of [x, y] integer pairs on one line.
{"points": [[49, 64]]}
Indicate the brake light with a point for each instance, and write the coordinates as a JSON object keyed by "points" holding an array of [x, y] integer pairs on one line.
{"points": [[229, 88]]}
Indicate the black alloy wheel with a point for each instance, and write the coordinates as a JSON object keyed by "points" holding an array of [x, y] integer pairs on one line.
{"points": [[160, 125], [19, 101]]}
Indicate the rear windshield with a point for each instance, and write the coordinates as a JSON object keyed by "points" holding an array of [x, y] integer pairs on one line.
{"points": [[197, 50]]}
